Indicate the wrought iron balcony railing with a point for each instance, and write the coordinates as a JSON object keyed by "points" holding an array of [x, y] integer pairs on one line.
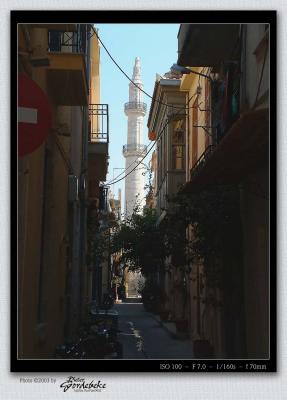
{"points": [[225, 110], [68, 42], [139, 149], [136, 106], [99, 123], [201, 161]]}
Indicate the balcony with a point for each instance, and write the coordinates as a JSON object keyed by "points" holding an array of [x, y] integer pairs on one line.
{"points": [[242, 149], [98, 141], [201, 161], [137, 107], [206, 44], [134, 150], [66, 74], [225, 110], [99, 123]]}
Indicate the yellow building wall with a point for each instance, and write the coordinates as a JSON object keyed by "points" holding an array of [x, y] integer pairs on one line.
{"points": [[55, 253], [253, 212], [38, 337], [97, 163], [30, 216], [191, 82], [30, 187], [95, 80], [208, 323], [95, 71]]}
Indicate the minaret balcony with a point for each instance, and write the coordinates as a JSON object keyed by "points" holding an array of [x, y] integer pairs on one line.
{"points": [[135, 106], [134, 150]]}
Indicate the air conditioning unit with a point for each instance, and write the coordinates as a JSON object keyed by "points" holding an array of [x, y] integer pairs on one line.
{"points": [[73, 188]]}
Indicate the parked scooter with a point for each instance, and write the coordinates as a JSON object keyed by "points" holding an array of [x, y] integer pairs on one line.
{"points": [[97, 337], [100, 336]]}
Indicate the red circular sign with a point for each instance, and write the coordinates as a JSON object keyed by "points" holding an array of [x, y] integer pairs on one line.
{"points": [[34, 115]]}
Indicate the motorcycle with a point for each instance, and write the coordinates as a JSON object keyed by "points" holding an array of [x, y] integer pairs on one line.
{"points": [[97, 338], [99, 335]]}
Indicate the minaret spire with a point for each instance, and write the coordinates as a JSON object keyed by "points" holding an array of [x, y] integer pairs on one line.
{"points": [[137, 70], [134, 150]]}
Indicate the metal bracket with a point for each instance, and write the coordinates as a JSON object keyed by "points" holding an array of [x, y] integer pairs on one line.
{"points": [[205, 128]]}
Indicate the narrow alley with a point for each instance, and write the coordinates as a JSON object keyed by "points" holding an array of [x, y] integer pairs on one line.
{"points": [[150, 183], [142, 336]]}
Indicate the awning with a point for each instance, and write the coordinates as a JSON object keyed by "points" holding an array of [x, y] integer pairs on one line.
{"points": [[206, 44]]}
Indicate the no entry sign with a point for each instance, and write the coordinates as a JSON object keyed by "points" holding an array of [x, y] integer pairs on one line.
{"points": [[34, 115]]}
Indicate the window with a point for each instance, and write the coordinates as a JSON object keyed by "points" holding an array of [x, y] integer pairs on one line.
{"points": [[178, 148], [177, 157]]}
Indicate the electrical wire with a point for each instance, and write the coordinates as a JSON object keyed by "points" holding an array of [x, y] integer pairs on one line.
{"points": [[160, 134], [168, 121], [153, 144], [200, 74], [138, 163], [112, 183], [126, 75], [126, 169]]}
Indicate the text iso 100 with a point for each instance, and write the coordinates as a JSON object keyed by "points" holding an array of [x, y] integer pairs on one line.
{"points": [[170, 367]]}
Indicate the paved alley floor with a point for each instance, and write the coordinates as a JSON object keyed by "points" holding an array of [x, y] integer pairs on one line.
{"points": [[143, 337]]}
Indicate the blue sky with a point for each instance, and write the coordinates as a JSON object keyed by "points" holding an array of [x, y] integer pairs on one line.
{"points": [[156, 45]]}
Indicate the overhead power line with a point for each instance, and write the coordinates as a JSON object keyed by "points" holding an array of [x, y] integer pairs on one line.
{"points": [[156, 100], [160, 134], [126, 75]]}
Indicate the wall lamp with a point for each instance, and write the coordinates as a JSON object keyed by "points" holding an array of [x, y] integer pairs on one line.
{"points": [[187, 70]]}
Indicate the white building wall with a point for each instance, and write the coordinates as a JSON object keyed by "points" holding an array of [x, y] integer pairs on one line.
{"points": [[134, 184]]}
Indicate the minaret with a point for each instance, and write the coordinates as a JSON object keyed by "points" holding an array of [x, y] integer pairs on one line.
{"points": [[135, 150]]}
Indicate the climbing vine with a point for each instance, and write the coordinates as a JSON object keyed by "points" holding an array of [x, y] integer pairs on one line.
{"points": [[208, 216]]}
